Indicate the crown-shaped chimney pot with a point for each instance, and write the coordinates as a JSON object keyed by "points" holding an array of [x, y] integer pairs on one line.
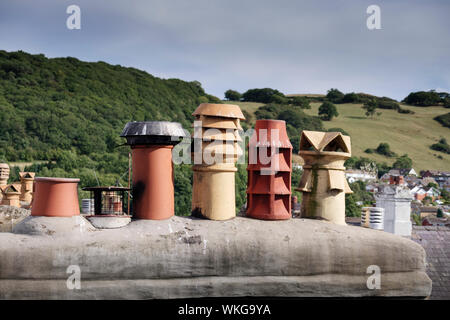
{"points": [[323, 182]]}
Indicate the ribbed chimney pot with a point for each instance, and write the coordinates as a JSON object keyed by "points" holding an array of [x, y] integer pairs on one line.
{"points": [[213, 191]]}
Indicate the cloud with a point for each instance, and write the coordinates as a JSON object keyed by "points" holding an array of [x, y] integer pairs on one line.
{"points": [[294, 46]]}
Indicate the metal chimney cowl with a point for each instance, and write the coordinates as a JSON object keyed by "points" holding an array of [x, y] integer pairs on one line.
{"points": [[153, 133], [151, 148]]}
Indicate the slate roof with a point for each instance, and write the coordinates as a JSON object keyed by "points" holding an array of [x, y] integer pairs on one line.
{"points": [[436, 242]]}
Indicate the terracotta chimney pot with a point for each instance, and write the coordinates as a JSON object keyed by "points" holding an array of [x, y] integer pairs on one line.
{"points": [[26, 180], [269, 184], [151, 149], [11, 195], [55, 197]]}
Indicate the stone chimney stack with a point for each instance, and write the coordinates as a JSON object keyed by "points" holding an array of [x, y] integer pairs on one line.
{"points": [[323, 182], [396, 201], [151, 151]]}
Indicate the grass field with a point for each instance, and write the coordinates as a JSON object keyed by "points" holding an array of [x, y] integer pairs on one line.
{"points": [[405, 133], [21, 165]]}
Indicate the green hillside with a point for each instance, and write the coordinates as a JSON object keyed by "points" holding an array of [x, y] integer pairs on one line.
{"points": [[65, 116], [57, 104], [412, 134]]}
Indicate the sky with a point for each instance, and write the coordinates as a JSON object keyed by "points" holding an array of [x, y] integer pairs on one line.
{"points": [[291, 45]]}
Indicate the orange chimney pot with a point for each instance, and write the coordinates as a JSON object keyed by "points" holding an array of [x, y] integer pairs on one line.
{"points": [[55, 197], [269, 184], [151, 152]]}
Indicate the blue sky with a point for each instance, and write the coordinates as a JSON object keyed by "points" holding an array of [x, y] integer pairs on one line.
{"points": [[293, 46]]}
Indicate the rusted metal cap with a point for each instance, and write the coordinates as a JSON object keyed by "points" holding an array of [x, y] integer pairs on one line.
{"points": [[153, 132], [219, 110]]}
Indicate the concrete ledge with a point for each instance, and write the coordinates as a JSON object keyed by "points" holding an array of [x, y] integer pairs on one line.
{"points": [[187, 257], [10, 216], [330, 285]]}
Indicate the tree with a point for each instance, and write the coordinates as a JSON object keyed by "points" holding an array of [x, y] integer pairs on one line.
{"points": [[417, 219], [443, 119], [432, 185], [445, 194], [403, 162], [440, 213], [387, 104], [351, 208], [334, 95], [279, 99], [338, 130], [301, 102], [442, 146], [296, 120], [360, 193], [447, 102], [370, 107], [327, 111], [232, 95], [260, 95], [385, 150], [423, 98], [350, 98]]}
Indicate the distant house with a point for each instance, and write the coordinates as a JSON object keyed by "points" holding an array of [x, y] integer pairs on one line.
{"points": [[442, 178], [410, 172], [412, 181], [426, 211], [446, 185], [427, 180], [419, 192], [372, 187], [353, 175], [432, 220]]}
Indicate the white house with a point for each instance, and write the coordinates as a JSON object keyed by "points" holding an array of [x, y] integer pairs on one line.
{"points": [[353, 175]]}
